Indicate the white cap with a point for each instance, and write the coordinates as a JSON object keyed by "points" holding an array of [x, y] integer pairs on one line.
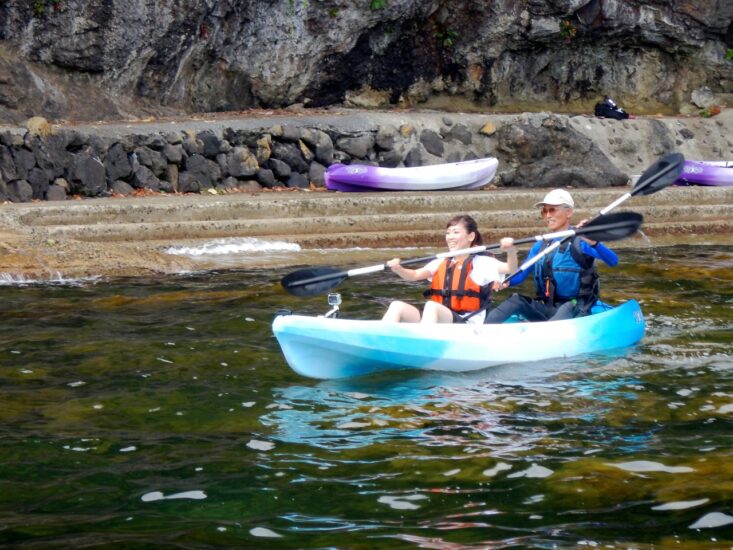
{"points": [[557, 197]]}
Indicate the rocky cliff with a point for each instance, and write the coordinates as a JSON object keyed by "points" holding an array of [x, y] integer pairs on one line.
{"points": [[79, 60]]}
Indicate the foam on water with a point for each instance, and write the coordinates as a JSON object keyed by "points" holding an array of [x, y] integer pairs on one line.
{"points": [[8, 279], [233, 245]]}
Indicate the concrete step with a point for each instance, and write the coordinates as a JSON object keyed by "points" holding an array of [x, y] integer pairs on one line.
{"points": [[512, 222], [364, 219], [296, 205]]}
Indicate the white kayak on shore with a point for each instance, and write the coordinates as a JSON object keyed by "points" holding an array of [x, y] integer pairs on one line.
{"points": [[469, 174], [710, 173], [327, 347]]}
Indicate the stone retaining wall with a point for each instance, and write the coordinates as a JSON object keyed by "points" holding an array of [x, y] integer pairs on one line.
{"points": [[534, 150], [67, 163]]}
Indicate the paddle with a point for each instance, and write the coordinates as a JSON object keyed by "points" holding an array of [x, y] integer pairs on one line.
{"points": [[663, 173], [317, 280]]}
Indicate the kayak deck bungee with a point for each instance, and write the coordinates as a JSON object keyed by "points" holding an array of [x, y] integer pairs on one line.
{"points": [[470, 174], [327, 347]]}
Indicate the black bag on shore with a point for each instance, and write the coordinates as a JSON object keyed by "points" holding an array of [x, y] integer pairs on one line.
{"points": [[608, 108]]}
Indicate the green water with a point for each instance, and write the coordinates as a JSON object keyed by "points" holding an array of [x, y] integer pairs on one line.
{"points": [[160, 413]]}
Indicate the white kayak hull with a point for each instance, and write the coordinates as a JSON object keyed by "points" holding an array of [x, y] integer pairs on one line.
{"points": [[710, 173], [324, 348], [470, 174]]}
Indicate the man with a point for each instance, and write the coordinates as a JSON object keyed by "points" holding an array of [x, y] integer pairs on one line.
{"points": [[566, 281]]}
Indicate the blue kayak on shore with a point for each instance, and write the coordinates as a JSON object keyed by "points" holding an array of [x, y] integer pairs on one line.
{"points": [[327, 347]]}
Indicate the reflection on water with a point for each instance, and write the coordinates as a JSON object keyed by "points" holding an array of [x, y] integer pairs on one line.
{"points": [[161, 413]]}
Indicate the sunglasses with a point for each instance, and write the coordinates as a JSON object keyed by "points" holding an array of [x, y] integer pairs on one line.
{"points": [[545, 210]]}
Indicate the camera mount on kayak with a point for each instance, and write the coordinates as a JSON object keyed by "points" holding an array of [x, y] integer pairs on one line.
{"points": [[334, 300]]}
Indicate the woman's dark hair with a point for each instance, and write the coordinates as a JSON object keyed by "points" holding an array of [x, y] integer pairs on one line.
{"points": [[471, 227]]}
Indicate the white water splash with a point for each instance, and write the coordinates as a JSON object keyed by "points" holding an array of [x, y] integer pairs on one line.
{"points": [[8, 279], [233, 245]]}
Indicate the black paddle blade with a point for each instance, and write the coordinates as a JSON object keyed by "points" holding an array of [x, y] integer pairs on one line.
{"points": [[612, 227], [312, 281], [659, 175]]}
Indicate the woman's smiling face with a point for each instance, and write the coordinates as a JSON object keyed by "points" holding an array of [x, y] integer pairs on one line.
{"points": [[458, 237]]}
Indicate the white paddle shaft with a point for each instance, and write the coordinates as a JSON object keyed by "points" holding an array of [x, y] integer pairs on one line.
{"points": [[614, 204], [365, 270], [534, 259], [460, 252]]}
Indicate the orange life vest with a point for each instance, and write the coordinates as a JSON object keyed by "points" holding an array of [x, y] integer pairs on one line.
{"points": [[452, 287]]}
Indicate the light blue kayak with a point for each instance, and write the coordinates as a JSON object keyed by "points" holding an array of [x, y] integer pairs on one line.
{"points": [[326, 347]]}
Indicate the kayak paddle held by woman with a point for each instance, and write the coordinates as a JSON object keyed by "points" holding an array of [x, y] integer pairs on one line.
{"points": [[461, 286]]}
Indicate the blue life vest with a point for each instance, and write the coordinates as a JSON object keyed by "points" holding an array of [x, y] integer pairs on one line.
{"points": [[567, 274]]}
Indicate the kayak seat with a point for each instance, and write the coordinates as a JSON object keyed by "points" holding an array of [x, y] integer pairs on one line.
{"points": [[599, 307]]}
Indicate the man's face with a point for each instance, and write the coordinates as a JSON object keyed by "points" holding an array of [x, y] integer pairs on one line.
{"points": [[557, 218]]}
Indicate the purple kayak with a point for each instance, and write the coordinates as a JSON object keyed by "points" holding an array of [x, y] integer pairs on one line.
{"points": [[695, 172], [469, 174]]}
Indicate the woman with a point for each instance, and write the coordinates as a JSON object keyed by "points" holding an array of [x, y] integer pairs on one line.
{"points": [[461, 286]]}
